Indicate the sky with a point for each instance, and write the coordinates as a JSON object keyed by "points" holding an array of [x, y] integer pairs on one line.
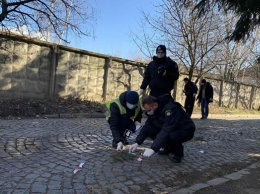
{"points": [[115, 20]]}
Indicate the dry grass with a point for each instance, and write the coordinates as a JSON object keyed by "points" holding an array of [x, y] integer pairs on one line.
{"points": [[223, 110], [23, 107]]}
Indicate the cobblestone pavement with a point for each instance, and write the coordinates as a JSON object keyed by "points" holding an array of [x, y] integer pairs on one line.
{"points": [[39, 156]]}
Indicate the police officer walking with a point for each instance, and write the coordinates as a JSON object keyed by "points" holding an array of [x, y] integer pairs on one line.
{"points": [[160, 74], [168, 125], [124, 116]]}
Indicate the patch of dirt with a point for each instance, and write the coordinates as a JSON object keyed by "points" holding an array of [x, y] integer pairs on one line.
{"points": [[123, 156], [31, 108], [195, 177], [192, 178], [247, 184], [214, 109], [184, 180]]}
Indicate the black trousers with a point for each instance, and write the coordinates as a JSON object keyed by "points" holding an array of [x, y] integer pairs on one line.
{"points": [[189, 105], [175, 139]]}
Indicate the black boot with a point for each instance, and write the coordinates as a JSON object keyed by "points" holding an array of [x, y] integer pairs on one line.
{"points": [[177, 159], [125, 142], [114, 144], [163, 152]]}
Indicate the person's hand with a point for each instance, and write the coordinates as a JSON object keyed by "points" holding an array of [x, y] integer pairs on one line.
{"points": [[137, 123], [141, 91], [138, 127], [148, 153], [119, 146], [194, 95], [133, 147]]}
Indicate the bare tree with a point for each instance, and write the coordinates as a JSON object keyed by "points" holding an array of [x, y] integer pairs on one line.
{"points": [[189, 39], [44, 18], [251, 72], [234, 56]]}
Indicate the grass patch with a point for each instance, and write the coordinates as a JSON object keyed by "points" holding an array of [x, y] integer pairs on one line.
{"points": [[123, 156], [198, 139], [244, 112], [109, 191], [213, 109]]}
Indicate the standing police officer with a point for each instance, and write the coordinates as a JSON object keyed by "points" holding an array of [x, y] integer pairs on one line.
{"points": [[190, 90], [160, 74], [124, 116], [168, 125]]}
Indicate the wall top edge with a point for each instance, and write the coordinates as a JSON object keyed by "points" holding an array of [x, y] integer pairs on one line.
{"points": [[29, 39], [53, 46]]}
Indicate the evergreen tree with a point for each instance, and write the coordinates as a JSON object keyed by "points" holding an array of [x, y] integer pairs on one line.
{"points": [[248, 12]]}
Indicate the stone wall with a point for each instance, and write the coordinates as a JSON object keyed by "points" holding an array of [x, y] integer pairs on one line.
{"points": [[40, 70], [24, 69], [79, 75]]}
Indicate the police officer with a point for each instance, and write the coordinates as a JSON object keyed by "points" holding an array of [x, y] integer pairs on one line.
{"points": [[190, 90], [124, 116], [168, 125], [160, 74]]}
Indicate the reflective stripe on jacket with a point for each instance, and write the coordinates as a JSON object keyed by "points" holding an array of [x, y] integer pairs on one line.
{"points": [[121, 109]]}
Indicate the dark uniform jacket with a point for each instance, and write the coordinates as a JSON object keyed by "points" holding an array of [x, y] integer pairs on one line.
{"points": [[157, 81], [168, 117], [208, 92], [190, 88], [114, 120]]}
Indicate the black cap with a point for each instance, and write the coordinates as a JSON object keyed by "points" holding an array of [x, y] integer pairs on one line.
{"points": [[161, 47], [186, 79], [132, 97], [203, 81]]}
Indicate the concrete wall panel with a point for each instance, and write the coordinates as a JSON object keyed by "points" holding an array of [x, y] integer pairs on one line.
{"points": [[29, 68]]}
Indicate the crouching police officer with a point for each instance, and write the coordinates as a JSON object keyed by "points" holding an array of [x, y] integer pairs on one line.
{"points": [[168, 125], [124, 116]]}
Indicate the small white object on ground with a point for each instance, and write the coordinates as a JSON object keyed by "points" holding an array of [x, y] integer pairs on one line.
{"points": [[140, 157], [78, 168]]}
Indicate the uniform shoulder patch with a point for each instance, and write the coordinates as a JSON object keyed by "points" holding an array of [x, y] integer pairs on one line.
{"points": [[168, 113]]}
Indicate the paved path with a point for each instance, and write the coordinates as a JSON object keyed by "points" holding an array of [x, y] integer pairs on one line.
{"points": [[39, 156]]}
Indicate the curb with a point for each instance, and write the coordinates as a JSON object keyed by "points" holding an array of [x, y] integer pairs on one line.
{"points": [[54, 116], [76, 115], [218, 181], [102, 115], [227, 116]]}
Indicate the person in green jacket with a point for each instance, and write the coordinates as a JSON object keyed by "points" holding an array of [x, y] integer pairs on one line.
{"points": [[124, 116]]}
